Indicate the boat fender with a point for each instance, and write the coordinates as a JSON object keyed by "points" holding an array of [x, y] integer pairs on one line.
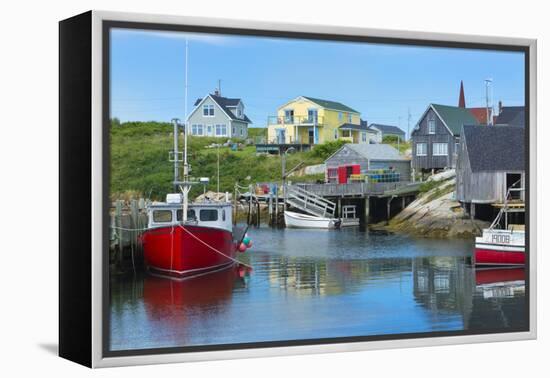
{"points": [[242, 247]]}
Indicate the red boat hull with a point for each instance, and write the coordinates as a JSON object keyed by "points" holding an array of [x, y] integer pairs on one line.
{"points": [[180, 252], [487, 256]]}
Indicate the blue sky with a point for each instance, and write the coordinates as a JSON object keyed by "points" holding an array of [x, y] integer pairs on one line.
{"points": [[381, 81]]}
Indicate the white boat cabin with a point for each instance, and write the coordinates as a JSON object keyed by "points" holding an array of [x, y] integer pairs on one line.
{"points": [[206, 214]]}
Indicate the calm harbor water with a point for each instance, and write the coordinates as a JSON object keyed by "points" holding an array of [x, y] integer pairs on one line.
{"points": [[309, 284]]}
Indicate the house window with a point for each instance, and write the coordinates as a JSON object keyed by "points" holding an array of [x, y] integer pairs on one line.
{"points": [[242, 132], [431, 123], [349, 118], [440, 149], [312, 115], [221, 130], [208, 110], [340, 116], [233, 130], [421, 149], [364, 137], [346, 133], [335, 133], [289, 116], [196, 129], [239, 113]]}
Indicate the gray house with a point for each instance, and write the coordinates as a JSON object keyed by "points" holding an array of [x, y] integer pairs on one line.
{"points": [[217, 116], [491, 159], [387, 130], [436, 135], [368, 157]]}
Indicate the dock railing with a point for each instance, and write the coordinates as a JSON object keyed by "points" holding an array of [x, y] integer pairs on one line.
{"points": [[309, 202], [351, 189]]}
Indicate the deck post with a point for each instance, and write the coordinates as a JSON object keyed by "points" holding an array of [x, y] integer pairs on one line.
{"points": [[472, 210], [118, 223], [339, 207], [367, 209]]}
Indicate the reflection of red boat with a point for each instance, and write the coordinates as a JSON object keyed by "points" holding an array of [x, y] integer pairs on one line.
{"points": [[492, 276], [158, 292]]}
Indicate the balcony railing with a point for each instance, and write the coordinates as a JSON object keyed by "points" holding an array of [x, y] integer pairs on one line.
{"points": [[295, 120]]}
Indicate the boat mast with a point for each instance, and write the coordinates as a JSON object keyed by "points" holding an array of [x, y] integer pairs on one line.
{"points": [[185, 187]]}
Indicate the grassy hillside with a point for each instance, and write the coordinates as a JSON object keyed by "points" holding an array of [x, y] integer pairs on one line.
{"points": [[140, 166]]}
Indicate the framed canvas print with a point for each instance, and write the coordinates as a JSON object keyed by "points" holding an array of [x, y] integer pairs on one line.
{"points": [[233, 189]]}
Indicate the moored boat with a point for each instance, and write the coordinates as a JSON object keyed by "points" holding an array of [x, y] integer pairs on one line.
{"points": [[504, 246], [299, 220], [203, 243]]}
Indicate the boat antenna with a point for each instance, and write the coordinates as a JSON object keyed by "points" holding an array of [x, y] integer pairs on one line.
{"points": [[186, 186], [185, 165]]}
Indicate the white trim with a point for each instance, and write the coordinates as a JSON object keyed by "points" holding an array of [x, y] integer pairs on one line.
{"points": [[97, 358], [199, 106]]}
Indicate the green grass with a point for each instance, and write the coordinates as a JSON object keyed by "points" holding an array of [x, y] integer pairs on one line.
{"points": [[139, 161]]}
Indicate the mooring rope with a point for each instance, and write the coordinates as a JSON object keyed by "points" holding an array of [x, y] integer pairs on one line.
{"points": [[214, 249]]}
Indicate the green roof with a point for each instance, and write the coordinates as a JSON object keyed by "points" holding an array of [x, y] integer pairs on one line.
{"points": [[331, 104], [455, 117]]}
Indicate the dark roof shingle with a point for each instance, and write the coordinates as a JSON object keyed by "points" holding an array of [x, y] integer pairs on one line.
{"points": [[351, 126], [387, 129], [492, 148], [226, 103], [511, 116]]}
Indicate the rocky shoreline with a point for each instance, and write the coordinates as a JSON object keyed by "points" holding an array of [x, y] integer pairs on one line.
{"points": [[435, 214]]}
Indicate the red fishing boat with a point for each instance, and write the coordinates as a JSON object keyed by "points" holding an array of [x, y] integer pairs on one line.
{"points": [[186, 239], [203, 242], [502, 246]]}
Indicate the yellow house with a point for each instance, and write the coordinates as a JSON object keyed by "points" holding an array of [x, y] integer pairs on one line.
{"points": [[308, 120]]}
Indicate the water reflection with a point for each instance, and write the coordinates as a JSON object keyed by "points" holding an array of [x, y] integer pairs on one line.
{"points": [[308, 284]]}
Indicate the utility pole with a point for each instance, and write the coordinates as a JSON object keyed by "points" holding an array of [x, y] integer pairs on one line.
{"points": [[487, 84]]}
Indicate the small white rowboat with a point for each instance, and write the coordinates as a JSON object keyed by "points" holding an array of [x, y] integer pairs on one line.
{"points": [[299, 220]]}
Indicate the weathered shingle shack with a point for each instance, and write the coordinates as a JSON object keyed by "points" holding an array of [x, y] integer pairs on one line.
{"points": [[491, 159], [368, 157]]}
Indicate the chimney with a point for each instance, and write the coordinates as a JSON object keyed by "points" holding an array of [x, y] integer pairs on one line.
{"points": [[461, 99], [216, 92], [499, 107]]}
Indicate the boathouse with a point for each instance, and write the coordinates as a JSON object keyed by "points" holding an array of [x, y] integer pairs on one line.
{"points": [[491, 159], [358, 159]]}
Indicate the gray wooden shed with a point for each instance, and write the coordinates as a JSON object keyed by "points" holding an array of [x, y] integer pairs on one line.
{"points": [[368, 157], [490, 160]]}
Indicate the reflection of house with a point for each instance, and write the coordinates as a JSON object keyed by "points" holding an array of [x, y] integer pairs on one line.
{"points": [[436, 135], [387, 130], [490, 160], [308, 120], [367, 157], [218, 116]]}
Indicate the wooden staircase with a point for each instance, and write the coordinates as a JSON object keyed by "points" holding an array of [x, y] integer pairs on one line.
{"points": [[309, 202]]}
